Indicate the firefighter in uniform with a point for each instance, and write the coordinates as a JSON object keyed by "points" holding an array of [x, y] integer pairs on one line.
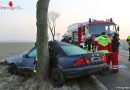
{"points": [[128, 40], [101, 43], [88, 44], [115, 52], [109, 47]]}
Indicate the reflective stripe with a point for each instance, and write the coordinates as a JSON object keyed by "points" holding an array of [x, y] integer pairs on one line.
{"points": [[104, 51], [98, 38], [115, 67], [103, 41], [91, 48]]}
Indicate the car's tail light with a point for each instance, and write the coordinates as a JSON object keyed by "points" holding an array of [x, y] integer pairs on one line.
{"points": [[104, 58], [81, 62]]}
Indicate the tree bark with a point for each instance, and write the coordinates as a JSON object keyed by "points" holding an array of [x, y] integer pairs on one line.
{"points": [[42, 41]]}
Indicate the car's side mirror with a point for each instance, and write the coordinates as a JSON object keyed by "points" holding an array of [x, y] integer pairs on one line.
{"points": [[25, 55]]}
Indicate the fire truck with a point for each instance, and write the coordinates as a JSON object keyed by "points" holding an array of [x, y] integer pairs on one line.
{"points": [[80, 32]]}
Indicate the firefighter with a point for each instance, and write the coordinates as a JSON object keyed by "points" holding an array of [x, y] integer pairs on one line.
{"points": [[128, 40], [65, 39], [115, 52], [101, 43], [109, 47], [88, 44]]}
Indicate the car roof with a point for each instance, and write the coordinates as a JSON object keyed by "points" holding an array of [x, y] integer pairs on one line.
{"points": [[59, 43]]}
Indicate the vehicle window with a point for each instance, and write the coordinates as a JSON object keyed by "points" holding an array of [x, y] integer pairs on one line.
{"points": [[73, 50], [83, 30], [110, 29], [99, 28], [32, 53]]}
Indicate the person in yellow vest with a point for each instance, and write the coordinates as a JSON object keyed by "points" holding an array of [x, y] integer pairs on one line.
{"points": [[128, 40], [102, 43]]}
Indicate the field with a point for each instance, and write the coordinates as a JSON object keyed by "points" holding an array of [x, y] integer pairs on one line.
{"points": [[14, 48], [8, 49]]}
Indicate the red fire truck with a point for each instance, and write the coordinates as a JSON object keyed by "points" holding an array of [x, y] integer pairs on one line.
{"points": [[79, 32]]}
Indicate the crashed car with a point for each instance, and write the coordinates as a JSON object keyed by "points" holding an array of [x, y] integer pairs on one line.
{"points": [[66, 61], [23, 63]]}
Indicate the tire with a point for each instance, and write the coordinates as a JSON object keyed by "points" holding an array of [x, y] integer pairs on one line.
{"points": [[12, 69], [57, 78]]}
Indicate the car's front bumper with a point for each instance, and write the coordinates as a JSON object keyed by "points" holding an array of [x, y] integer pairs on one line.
{"points": [[85, 70]]}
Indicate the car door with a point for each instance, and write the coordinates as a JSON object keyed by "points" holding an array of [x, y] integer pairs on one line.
{"points": [[28, 61]]}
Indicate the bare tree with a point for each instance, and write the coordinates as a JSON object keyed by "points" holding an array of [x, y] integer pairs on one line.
{"points": [[52, 16], [42, 41]]}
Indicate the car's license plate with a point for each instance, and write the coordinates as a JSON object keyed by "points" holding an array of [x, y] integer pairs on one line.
{"points": [[95, 59]]}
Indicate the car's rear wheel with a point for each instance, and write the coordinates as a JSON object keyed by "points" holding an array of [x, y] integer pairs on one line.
{"points": [[12, 69], [57, 77]]}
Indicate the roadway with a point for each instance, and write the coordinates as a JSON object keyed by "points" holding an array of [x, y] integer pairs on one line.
{"points": [[120, 80], [109, 80]]}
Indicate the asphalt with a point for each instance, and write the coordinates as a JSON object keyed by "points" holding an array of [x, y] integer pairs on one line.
{"points": [[120, 80], [108, 80]]}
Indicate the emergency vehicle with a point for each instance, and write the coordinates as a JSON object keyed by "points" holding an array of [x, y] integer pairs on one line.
{"points": [[79, 32]]}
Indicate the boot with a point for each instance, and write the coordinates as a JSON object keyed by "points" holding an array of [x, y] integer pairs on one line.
{"points": [[115, 70]]}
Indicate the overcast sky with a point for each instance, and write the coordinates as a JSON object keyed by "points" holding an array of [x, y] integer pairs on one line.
{"points": [[21, 24]]}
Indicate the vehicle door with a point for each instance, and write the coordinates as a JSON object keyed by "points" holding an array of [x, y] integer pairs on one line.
{"points": [[28, 60]]}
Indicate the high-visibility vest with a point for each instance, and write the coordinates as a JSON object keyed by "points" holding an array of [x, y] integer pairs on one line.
{"points": [[102, 44], [128, 40], [128, 37], [103, 41]]}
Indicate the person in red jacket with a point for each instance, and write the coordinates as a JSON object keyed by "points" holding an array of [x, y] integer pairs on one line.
{"points": [[103, 44], [109, 48], [115, 52]]}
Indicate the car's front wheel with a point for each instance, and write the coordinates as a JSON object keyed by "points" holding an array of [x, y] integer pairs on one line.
{"points": [[57, 77], [12, 69]]}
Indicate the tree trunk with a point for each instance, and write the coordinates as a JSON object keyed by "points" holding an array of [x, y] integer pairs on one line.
{"points": [[42, 41]]}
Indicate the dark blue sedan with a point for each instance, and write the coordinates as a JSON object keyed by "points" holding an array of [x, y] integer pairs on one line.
{"points": [[66, 61]]}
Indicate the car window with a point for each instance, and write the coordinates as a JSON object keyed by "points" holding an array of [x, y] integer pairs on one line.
{"points": [[73, 50], [32, 53]]}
